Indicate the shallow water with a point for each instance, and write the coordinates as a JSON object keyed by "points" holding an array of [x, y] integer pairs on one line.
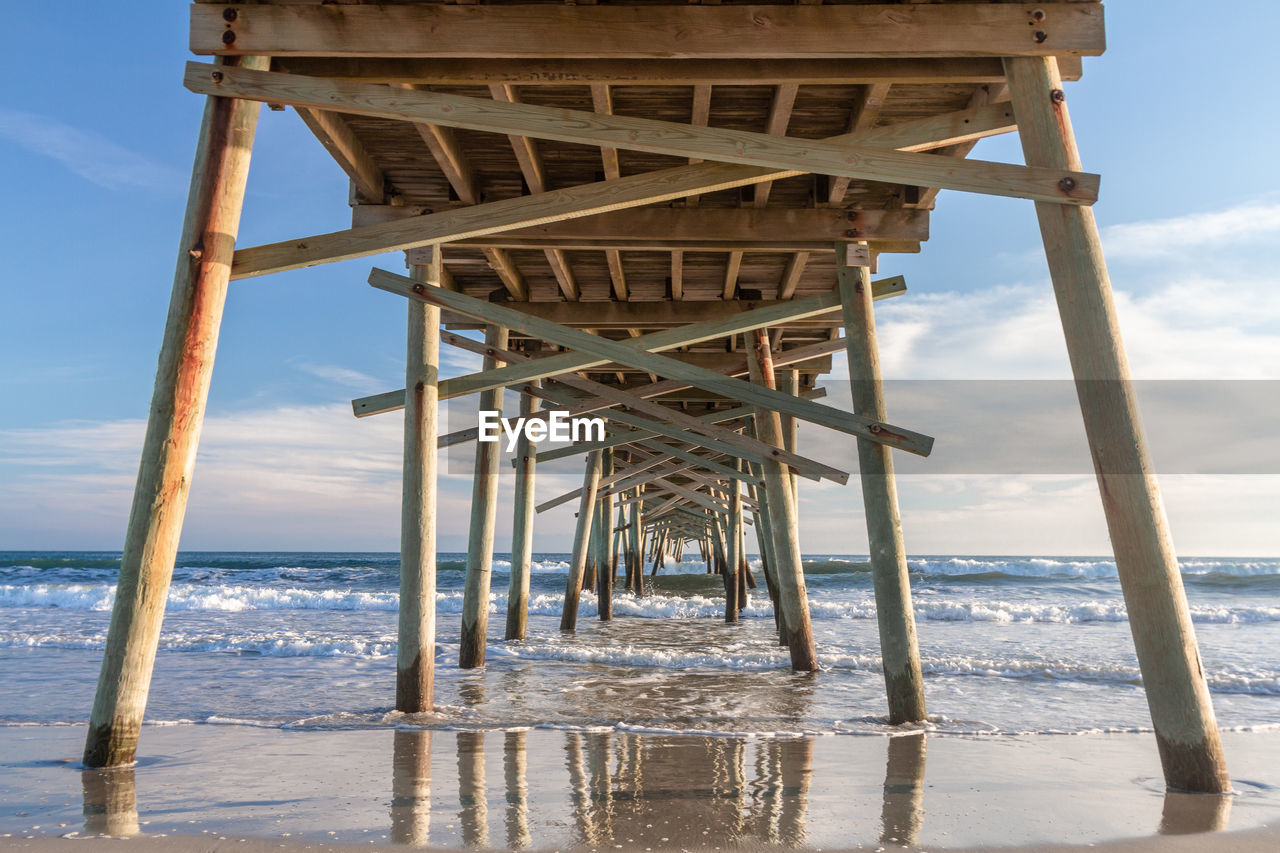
{"points": [[1009, 645]]}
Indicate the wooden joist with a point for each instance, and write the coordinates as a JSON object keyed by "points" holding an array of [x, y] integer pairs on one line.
{"points": [[590, 199], [648, 135], [649, 32], [341, 143], [555, 71]]}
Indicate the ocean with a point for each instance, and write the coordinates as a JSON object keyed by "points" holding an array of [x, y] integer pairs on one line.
{"points": [[1010, 645]]}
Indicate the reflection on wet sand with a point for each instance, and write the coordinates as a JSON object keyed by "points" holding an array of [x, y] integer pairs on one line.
{"points": [[903, 813], [110, 802], [474, 812], [411, 787], [1185, 814], [514, 762]]}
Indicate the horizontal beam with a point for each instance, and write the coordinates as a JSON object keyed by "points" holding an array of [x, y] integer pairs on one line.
{"points": [[648, 32], [556, 71], [649, 135], [591, 199], [693, 229], [623, 353]]}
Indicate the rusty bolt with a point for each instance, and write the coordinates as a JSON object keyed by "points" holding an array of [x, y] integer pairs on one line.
{"points": [[1067, 184], [1041, 35], [229, 15], [852, 232], [852, 216], [876, 428], [1038, 15], [217, 76], [419, 289], [229, 37], [196, 254], [1057, 96]]}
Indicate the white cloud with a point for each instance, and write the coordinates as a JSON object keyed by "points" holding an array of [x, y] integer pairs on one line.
{"points": [[1245, 223], [90, 155], [340, 375]]}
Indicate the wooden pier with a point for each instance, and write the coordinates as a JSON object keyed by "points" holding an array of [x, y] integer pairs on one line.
{"points": [[671, 216]]}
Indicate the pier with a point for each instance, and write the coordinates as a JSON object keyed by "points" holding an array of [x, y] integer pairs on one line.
{"points": [[673, 217]]}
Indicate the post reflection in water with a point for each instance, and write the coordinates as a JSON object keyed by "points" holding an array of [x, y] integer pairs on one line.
{"points": [[411, 787], [474, 815], [110, 802], [902, 814], [1186, 814], [514, 760]]}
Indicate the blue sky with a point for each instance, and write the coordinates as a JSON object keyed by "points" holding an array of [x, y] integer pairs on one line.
{"points": [[96, 134]]}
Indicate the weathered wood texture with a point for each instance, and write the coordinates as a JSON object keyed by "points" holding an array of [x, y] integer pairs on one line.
{"points": [[899, 651], [581, 541], [484, 509], [1173, 676], [526, 462], [205, 252], [416, 635]]}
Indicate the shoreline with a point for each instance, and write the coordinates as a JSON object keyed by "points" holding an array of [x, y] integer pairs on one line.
{"points": [[260, 789]]}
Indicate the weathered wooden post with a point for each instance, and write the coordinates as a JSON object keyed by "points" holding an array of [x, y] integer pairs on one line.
{"points": [[604, 549], [637, 547], [789, 383], [178, 401], [903, 679], [782, 511], [1168, 656], [733, 555], [581, 540], [416, 646], [484, 514], [522, 526]]}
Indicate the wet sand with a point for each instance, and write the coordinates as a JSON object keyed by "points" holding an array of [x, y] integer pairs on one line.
{"points": [[204, 787]]}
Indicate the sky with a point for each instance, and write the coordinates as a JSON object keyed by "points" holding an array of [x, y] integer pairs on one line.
{"points": [[96, 139]]}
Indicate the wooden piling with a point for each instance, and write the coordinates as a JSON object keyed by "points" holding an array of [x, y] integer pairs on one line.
{"points": [[1168, 655], [581, 540], [637, 547], [903, 679], [604, 550], [783, 521], [522, 526], [416, 646], [178, 400], [733, 556], [484, 510], [789, 383]]}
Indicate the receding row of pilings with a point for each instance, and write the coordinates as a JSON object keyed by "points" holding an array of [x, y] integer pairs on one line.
{"points": [[1177, 692]]}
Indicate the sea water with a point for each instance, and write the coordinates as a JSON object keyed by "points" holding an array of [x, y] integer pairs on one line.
{"points": [[308, 640]]}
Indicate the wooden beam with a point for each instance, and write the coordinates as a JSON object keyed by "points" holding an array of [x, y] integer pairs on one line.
{"points": [[587, 200], [341, 143], [645, 32], [862, 117], [557, 71], [784, 101], [791, 274], [625, 353], [650, 135]]}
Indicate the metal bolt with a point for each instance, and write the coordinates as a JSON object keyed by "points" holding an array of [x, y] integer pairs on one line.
{"points": [[1038, 15], [229, 15], [1067, 184], [229, 37], [852, 216], [852, 232], [876, 428], [419, 289], [1041, 35], [1057, 96]]}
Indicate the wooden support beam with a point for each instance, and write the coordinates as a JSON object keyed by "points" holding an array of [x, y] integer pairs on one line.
{"points": [[526, 461], [484, 508], [525, 148], [341, 143], [791, 275], [784, 526], [416, 643], [987, 94], [1062, 186], [616, 32], [899, 649], [732, 575], [591, 199], [581, 541], [784, 101], [178, 402], [604, 542], [862, 117], [558, 71], [625, 353], [1168, 656]]}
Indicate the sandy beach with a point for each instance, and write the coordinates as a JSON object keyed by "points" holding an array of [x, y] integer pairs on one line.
{"points": [[211, 787]]}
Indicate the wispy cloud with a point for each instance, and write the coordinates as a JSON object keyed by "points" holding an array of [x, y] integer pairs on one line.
{"points": [[340, 375], [90, 155], [1244, 223]]}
